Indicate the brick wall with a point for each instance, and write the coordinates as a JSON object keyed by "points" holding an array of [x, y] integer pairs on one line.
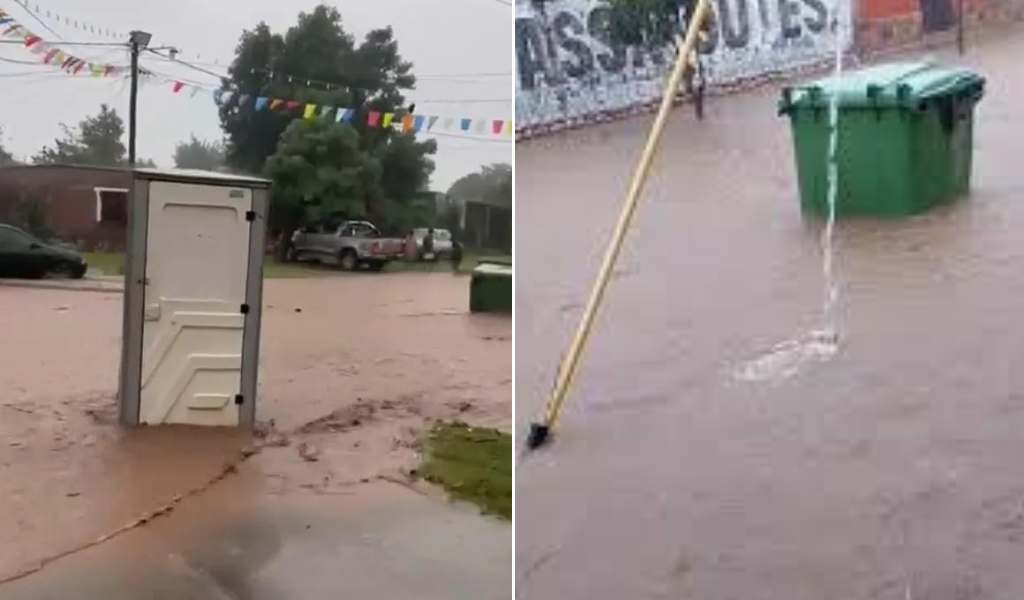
{"points": [[67, 197], [885, 24]]}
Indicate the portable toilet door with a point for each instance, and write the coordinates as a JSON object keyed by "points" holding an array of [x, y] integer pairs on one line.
{"points": [[193, 289]]}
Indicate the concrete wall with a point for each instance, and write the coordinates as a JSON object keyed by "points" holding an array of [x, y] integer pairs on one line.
{"points": [[567, 71]]}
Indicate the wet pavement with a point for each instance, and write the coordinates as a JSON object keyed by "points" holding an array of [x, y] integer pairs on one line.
{"points": [[242, 541], [890, 471], [353, 370]]}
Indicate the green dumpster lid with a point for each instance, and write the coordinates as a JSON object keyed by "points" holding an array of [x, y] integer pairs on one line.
{"points": [[489, 268], [892, 85]]}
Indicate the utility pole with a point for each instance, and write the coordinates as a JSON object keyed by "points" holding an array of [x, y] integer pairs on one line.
{"points": [[138, 41], [960, 27]]}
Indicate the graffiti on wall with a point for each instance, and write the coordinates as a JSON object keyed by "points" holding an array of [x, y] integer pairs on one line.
{"points": [[567, 67]]}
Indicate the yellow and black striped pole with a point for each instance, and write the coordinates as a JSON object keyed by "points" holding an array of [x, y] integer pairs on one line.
{"points": [[540, 432]]}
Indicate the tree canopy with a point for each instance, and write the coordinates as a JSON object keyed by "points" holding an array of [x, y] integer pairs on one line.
{"points": [[199, 154], [96, 141], [5, 157], [319, 163], [315, 61], [492, 185]]}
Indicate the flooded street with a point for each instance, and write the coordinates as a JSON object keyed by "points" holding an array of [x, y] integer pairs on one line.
{"points": [[353, 370], [890, 471]]}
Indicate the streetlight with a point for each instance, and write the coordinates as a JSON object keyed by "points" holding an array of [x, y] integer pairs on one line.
{"points": [[138, 41]]}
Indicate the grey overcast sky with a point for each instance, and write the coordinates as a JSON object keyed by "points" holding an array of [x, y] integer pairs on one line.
{"points": [[456, 47]]}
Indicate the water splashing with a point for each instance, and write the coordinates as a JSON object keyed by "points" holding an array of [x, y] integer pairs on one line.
{"points": [[788, 358]]}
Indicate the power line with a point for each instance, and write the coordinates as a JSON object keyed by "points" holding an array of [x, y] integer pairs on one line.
{"points": [[32, 14], [468, 137], [67, 43], [189, 65]]}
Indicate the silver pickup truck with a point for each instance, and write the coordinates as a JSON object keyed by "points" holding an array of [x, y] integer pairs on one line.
{"points": [[349, 245]]}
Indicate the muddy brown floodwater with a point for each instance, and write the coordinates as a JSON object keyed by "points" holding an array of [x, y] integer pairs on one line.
{"points": [[353, 369], [890, 472]]}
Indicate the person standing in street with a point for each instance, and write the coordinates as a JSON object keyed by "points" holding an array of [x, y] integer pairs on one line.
{"points": [[456, 256], [428, 245]]}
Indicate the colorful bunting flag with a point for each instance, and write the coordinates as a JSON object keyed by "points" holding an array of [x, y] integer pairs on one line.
{"points": [[407, 123], [373, 118], [418, 123], [218, 97], [276, 103], [177, 87], [496, 126], [309, 112], [261, 103], [387, 120], [465, 123], [242, 100], [430, 123]]}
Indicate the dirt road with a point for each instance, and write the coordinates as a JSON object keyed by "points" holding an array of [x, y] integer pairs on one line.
{"points": [[890, 472], [353, 367]]}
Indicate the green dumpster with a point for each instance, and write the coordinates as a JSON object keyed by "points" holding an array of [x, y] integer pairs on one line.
{"points": [[905, 138], [490, 288]]}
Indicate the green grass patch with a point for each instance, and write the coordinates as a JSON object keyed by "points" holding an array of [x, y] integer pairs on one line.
{"points": [[112, 264], [472, 464], [470, 260]]}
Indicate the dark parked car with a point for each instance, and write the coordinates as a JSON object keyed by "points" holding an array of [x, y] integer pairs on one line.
{"points": [[22, 255]]}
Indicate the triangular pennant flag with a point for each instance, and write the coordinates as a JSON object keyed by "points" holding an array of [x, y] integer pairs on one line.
{"points": [[78, 67], [193, 93], [325, 111], [496, 127], [341, 114], [430, 123], [348, 115], [373, 118], [13, 30], [292, 104], [508, 127], [177, 86], [447, 123], [5, 20], [407, 123], [465, 123], [67, 62], [228, 95], [310, 111], [97, 70], [243, 99], [480, 126], [261, 103], [32, 40], [418, 122], [109, 70], [276, 103], [54, 55], [387, 119], [218, 97]]}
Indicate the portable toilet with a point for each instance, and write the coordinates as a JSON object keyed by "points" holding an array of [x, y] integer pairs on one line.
{"points": [[193, 288]]}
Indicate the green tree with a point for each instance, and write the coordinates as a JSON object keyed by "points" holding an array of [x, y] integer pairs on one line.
{"points": [[655, 24], [5, 157], [96, 141], [319, 163], [298, 66], [199, 154], [492, 184]]}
